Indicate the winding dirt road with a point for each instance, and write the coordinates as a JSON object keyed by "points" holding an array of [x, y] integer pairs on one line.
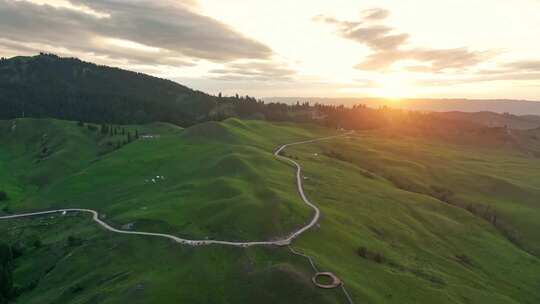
{"points": [[280, 242]]}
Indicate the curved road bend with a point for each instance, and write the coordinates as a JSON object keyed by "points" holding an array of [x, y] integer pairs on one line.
{"points": [[281, 242]]}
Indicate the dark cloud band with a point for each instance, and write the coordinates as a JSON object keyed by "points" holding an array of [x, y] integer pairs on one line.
{"points": [[177, 31]]}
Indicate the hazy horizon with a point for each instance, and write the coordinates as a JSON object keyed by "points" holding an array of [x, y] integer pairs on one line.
{"points": [[516, 107]]}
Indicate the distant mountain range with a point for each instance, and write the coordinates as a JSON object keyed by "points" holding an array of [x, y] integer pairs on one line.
{"points": [[68, 88], [516, 107]]}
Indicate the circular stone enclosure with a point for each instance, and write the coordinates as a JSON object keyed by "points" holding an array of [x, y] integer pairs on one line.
{"points": [[336, 282]]}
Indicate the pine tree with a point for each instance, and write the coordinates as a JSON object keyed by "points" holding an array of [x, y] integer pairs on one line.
{"points": [[105, 129], [6, 272], [3, 196]]}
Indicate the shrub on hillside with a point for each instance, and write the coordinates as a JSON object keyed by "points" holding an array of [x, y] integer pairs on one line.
{"points": [[464, 260], [336, 155], [362, 252], [3, 196], [37, 243], [6, 273], [74, 241], [76, 288], [370, 255], [368, 174], [441, 193], [378, 258], [17, 250]]}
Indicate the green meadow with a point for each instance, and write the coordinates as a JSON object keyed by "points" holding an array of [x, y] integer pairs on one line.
{"points": [[393, 241], [404, 220], [78, 262], [210, 181]]}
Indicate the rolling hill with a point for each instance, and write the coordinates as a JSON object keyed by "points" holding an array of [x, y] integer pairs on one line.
{"points": [[405, 219], [67, 88], [203, 173], [491, 119]]}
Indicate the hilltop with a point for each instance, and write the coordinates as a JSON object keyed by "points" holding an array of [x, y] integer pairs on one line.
{"points": [[67, 88]]}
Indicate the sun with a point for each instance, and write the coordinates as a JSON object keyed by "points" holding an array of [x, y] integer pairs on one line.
{"points": [[393, 87]]}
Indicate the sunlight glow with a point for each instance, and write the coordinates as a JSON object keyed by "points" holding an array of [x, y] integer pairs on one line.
{"points": [[68, 5], [317, 50], [128, 44], [394, 87]]}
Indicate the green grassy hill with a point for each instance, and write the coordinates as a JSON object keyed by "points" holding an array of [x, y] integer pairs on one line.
{"points": [[78, 262], [192, 183], [404, 219], [208, 186], [68, 88], [422, 221]]}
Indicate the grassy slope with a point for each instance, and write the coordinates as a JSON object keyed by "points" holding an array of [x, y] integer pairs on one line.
{"points": [[111, 268], [208, 190], [209, 179], [502, 182], [434, 252], [38, 153]]}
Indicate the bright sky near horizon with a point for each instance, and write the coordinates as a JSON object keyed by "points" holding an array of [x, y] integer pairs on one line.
{"points": [[383, 48]]}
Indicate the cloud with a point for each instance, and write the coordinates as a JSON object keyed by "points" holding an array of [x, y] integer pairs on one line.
{"points": [[176, 31], [523, 71], [376, 37], [389, 46], [512, 76], [379, 60], [342, 25], [108, 55], [483, 76], [253, 70], [516, 71], [524, 65], [426, 60], [375, 14]]}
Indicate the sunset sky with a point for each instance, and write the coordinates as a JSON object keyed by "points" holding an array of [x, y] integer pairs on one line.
{"points": [[420, 48]]}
